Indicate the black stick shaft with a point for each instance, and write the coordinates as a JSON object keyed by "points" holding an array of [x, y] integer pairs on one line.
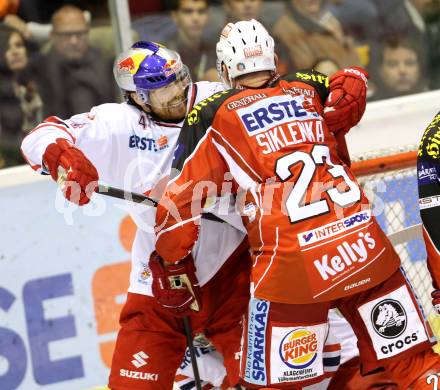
{"points": [[127, 195], [140, 198], [192, 352]]}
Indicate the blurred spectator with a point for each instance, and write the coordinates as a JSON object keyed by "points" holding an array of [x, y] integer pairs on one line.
{"points": [[224, 11], [151, 21], [430, 10], [401, 69], [237, 10], [267, 12], [307, 31], [402, 17], [20, 104], [142, 7], [326, 66], [366, 38], [73, 76], [33, 21], [8, 7], [41, 11], [19, 24], [154, 27], [190, 17], [32, 18]]}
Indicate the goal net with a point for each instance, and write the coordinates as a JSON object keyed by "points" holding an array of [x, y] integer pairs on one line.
{"points": [[389, 178]]}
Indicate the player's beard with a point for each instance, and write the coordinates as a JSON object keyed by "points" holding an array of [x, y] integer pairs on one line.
{"points": [[174, 112]]}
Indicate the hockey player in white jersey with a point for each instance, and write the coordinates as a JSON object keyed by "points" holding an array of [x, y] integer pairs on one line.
{"points": [[131, 145]]}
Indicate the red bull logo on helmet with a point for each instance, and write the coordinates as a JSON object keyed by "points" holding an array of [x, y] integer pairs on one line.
{"points": [[126, 64], [131, 64], [299, 348], [169, 64], [171, 67]]}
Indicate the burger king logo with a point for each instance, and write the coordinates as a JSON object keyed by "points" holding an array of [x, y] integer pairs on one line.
{"points": [[298, 348]]}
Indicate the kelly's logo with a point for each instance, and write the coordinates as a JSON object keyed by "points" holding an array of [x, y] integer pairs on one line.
{"points": [[347, 253]]}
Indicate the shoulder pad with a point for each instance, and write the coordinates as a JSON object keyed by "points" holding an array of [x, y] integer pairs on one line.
{"points": [[313, 78], [196, 123], [210, 87], [430, 143], [205, 110]]}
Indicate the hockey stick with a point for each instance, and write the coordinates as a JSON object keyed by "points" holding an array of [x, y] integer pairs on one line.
{"points": [[141, 198], [407, 234], [127, 195], [192, 352]]}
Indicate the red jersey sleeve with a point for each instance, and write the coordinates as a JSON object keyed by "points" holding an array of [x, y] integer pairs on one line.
{"points": [[179, 210]]}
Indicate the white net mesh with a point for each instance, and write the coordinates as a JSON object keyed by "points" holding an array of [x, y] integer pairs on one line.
{"points": [[395, 203]]}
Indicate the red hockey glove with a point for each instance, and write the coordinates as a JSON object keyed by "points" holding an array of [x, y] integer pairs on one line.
{"points": [[81, 177], [175, 286], [346, 101], [436, 300]]}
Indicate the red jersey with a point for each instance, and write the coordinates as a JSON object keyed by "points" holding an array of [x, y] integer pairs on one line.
{"points": [[310, 227]]}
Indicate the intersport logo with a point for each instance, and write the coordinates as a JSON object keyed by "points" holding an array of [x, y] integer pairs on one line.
{"points": [[334, 228], [348, 253]]}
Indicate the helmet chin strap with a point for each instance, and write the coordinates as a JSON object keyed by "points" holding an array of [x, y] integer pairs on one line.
{"points": [[229, 81]]}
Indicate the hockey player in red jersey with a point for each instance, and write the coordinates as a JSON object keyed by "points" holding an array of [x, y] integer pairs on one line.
{"points": [[141, 133], [314, 241]]}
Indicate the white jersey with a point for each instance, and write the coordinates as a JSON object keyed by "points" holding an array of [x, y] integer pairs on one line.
{"points": [[209, 364], [132, 151]]}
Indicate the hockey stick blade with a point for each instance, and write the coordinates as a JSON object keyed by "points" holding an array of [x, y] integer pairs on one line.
{"points": [[407, 234]]}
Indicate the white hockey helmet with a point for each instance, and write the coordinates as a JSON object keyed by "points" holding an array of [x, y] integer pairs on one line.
{"points": [[245, 47]]}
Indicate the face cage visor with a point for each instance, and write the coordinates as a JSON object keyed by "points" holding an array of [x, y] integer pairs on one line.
{"points": [[169, 96]]}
